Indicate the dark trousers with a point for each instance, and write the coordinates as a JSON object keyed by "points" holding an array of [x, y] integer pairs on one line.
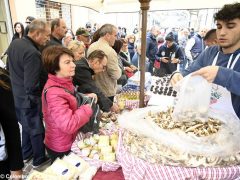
{"points": [[54, 155], [150, 67], [32, 133], [4, 170]]}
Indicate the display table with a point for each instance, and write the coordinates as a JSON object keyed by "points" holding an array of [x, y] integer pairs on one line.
{"points": [[136, 168]]}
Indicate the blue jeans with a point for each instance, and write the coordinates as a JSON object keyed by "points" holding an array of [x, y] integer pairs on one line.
{"points": [[32, 133], [182, 66], [150, 67]]}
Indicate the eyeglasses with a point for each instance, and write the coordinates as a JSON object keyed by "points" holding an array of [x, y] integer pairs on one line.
{"points": [[104, 67]]}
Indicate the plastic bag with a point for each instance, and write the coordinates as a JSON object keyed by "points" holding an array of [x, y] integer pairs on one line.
{"points": [[180, 148], [193, 99]]}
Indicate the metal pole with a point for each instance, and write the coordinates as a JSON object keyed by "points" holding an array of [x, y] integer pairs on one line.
{"points": [[144, 9]]}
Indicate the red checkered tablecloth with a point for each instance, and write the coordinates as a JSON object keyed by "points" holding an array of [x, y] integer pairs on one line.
{"points": [[138, 169]]}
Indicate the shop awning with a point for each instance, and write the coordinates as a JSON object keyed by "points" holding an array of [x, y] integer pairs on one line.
{"points": [[108, 6]]}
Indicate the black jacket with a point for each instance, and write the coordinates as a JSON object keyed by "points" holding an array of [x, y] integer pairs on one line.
{"points": [[151, 47], [25, 65], [173, 52], [10, 127], [84, 79]]}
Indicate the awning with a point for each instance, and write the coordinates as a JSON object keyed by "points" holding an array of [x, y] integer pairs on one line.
{"points": [[108, 6]]}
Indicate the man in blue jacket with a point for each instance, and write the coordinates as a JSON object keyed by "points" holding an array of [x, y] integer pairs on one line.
{"points": [[220, 65], [152, 46], [170, 55]]}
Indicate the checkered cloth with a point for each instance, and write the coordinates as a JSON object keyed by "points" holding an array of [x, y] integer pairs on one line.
{"points": [[138, 169], [106, 166], [133, 104]]}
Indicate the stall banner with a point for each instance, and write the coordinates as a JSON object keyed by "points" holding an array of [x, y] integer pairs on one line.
{"points": [[138, 169]]}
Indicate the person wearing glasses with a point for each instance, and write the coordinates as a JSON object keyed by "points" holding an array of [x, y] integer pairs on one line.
{"points": [[29, 19], [107, 80], [85, 71]]}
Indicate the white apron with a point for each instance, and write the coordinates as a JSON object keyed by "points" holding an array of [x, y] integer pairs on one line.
{"points": [[220, 96]]}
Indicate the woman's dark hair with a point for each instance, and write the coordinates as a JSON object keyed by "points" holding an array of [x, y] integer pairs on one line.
{"points": [[96, 36], [4, 79], [51, 56], [117, 46], [228, 12], [99, 54], [21, 25]]}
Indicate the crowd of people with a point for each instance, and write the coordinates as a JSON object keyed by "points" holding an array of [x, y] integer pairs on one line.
{"points": [[47, 61]]}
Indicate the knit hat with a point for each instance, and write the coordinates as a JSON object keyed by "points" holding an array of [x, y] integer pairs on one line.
{"points": [[169, 37], [82, 31]]}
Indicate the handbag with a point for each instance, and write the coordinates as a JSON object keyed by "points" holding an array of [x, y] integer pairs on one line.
{"points": [[157, 64], [93, 124]]}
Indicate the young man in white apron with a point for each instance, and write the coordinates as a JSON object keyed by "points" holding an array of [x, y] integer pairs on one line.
{"points": [[220, 65]]}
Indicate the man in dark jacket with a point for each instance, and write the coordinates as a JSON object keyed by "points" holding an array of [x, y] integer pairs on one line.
{"points": [[84, 72], [58, 31], [152, 46], [25, 65], [170, 55], [29, 19], [195, 46]]}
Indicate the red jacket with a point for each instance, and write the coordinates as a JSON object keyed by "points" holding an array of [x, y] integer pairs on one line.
{"points": [[61, 115]]}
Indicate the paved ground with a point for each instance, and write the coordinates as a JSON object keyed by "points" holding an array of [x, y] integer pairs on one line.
{"points": [[28, 168]]}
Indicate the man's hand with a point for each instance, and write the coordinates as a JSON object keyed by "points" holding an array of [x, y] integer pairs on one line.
{"points": [[176, 78], [165, 59], [175, 60], [209, 73], [115, 108]]}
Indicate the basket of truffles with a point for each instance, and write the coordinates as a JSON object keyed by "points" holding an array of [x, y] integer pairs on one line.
{"points": [[97, 150], [154, 136], [189, 149]]}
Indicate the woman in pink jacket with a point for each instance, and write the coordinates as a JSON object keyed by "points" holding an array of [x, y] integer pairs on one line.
{"points": [[62, 117]]}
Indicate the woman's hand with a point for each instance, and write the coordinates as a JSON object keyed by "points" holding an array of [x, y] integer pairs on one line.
{"points": [[134, 68], [92, 95], [128, 69]]}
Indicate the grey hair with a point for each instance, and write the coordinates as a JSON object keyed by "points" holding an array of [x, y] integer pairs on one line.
{"points": [[106, 28], [38, 25], [55, 22]]}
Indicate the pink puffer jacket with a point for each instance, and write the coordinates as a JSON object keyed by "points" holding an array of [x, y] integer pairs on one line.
{"points": [[62, 117]]}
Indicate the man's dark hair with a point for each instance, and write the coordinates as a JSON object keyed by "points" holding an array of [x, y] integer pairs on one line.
{"points": [[228, 12], [30, 18], [209, 34], [99, 54]]}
